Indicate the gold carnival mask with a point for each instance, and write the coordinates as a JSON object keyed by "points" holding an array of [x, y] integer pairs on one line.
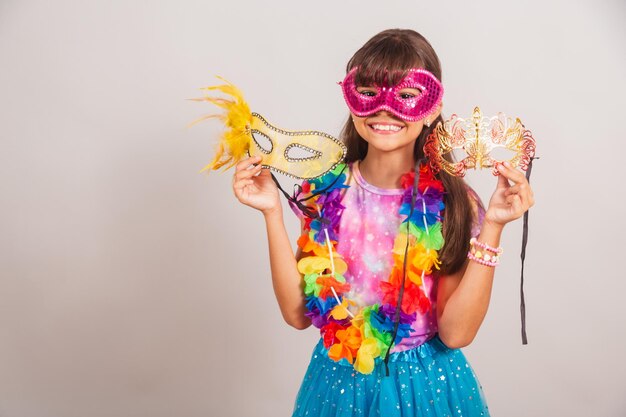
{"points": [[299, 154], [478, 137], [289, 153]]}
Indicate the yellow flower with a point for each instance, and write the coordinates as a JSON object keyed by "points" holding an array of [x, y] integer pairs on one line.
{"points": [[319, 264], [368, 351], [399, 244], [424, 259], [340, 312]]}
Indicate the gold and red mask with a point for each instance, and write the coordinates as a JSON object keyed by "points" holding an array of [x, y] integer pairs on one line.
{"points": [[477, 138]]}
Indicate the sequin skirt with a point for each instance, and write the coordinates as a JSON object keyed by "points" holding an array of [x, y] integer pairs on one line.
{"points": [[429, 380]]}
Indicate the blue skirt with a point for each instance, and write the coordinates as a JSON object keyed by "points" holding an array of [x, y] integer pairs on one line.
{"points": [[428, 380]]}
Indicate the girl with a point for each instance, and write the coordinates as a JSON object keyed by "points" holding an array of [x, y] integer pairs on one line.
{"points": [[419, 298]]}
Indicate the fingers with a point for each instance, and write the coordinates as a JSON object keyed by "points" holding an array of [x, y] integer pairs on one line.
{"points": [[243, 183], [503, 182], [513, 196], [265, 172], [516, 189], [521, 187], [245, 169], [523, 190], [240, 186], [516, 204], [510, 173], [245, 163], [244, 172]]}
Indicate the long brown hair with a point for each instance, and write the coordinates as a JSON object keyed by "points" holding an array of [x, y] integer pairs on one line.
{"points": [[386, 58]]}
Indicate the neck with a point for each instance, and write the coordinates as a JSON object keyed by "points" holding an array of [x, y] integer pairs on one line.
{"points": [[384, 169]]}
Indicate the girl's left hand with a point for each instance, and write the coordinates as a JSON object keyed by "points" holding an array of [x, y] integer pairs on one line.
{"points": [[509, 202]]}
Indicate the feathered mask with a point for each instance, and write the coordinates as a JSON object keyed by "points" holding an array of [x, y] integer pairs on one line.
{"points": [[299, 154]]}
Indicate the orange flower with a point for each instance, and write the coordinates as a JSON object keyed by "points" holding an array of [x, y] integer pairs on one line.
{"points": [[395, 277], [414, 275], [327, 282], [308, 245], [349, 341]]}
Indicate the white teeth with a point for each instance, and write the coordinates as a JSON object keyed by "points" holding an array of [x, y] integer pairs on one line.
{"points": [[392, 128]]}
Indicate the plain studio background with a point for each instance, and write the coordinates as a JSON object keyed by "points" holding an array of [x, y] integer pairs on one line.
{"points": [[132, 285]]}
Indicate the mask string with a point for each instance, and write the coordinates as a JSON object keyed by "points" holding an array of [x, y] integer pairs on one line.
{"points": [[306, 210], [396, 318], [523, 257]]}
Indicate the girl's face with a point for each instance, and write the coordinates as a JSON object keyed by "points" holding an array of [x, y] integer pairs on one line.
{"points": [[386, 132]]}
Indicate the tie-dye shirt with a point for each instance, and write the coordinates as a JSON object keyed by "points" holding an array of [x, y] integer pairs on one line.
{"points": [[367, 231]]}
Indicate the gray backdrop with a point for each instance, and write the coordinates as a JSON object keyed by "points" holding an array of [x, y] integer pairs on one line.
{"points": [[132, 285]]}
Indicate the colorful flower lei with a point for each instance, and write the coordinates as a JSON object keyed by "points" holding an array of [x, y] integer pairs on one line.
{"points": [[360, 337]]}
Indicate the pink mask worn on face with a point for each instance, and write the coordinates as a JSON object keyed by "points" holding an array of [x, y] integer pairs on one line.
{"points": [[389, 99]]}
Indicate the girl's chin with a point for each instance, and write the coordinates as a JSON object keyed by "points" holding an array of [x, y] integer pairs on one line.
{"points": [[389, 143]]}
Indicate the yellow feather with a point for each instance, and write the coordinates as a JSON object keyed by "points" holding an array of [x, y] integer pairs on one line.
{"points": [[237, 117]]}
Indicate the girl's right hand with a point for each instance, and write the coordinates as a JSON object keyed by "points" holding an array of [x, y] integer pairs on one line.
{"points": [[254, 186]]}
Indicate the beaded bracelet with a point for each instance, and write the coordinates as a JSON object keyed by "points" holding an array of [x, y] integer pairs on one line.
{"points": [[475, 242], [483, 257], [494, 261]]}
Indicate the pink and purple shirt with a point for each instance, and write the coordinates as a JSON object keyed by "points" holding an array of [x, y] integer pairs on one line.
{"points": [[367, 231]]}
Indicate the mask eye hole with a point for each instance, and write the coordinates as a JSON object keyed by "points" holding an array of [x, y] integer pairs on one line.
{"points": [[263, 141], [458, 154], [409, 93], [297, 152], [502, 154], [367, 91]]}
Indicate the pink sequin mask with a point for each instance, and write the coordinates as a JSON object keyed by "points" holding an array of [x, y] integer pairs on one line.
{"points": [[389, 99]]}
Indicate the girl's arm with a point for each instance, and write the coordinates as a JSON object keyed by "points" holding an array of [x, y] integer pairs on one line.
{"points": [[463, 297], [254, 187], [286, 278]]}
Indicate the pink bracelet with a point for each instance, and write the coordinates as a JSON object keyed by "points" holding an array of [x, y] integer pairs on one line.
{"points": [[483, 255], [475, 242], [493, 262]]}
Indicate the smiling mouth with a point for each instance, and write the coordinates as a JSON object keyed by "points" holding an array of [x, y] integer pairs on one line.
{"points": [[385, 127]]}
